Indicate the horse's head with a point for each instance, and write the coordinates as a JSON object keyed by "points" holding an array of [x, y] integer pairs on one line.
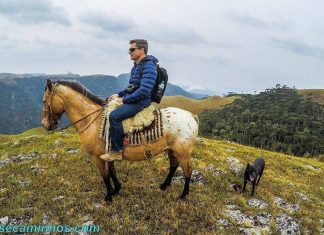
{"points": [[53, 106]]}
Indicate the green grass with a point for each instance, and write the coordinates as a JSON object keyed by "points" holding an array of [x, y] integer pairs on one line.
{"points": [[141, 207]]}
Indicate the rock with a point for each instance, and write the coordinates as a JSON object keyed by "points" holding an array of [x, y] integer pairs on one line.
{"points": [[22, 184], [4, 220], [88, 223], [19, 221], [97, 205], [235, 187], [291, 185], [17, 142], [285, 205], [257, 203], [58, 141], [222, 223], [230, 149], [302, 196], [215, 171], [255, 230], [20, 158], [73, 151], [235, 166], [262, 219], [36, 169], [57, 198], [232, 207], [239, 217], [257, 224], [86, 217], [54, 155], [4, 162], [310, 167], [45, 219], [32, 137], [196, 177], [27, 157], [287, 225]]}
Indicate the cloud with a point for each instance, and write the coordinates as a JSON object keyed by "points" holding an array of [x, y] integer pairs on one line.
{"points": [[299, 47], [33, 12], [174, 35], [108, 23], [277, 22], [245, 19]]}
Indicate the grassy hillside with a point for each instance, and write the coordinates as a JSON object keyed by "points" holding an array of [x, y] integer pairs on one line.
{"points": [[52, 182], [195, 106], [316, 95]]}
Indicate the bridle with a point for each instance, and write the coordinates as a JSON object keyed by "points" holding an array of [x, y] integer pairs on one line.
{"points": [[48, 110]]}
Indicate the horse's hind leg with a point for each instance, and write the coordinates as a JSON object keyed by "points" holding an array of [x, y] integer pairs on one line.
{"points": [[112, 173], [187, 170], [173, 167]]}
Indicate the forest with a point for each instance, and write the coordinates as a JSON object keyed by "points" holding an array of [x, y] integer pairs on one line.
{"points": [[278, 119]]}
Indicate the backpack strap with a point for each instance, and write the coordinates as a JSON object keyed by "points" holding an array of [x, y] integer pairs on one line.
{"points": [[142, 68]]}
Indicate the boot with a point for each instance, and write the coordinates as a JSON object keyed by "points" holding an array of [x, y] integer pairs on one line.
{"points": [[112, 156]]}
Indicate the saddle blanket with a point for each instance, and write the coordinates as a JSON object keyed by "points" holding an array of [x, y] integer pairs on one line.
{"points": [[137, 136]]}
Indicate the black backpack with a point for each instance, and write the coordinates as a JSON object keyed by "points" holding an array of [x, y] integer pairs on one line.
{"points": [[160, 85]]}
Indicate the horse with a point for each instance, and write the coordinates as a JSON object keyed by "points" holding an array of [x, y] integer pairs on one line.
{"points": [[84, 110]]}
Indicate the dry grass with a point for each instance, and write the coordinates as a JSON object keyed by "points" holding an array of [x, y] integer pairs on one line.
{"points": [[195, 106], [316, 95], [141, 207]]}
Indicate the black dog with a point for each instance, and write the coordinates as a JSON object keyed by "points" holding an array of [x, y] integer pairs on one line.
{"points": [[252, 172]]}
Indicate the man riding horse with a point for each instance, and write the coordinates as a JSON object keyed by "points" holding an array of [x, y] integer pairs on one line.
{"points": [[134, 98]]}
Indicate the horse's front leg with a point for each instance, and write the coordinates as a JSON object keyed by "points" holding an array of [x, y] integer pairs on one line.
{"points": [[106, 177], [113, 175]]}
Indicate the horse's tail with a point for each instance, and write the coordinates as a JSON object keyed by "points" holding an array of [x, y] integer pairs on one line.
{"points": [[195, 116]]}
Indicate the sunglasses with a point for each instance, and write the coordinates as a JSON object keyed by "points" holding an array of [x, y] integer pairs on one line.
{"points": [[131, 50]]}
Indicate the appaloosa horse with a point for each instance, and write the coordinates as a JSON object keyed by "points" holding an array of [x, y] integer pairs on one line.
{"points": [[180, 129]]}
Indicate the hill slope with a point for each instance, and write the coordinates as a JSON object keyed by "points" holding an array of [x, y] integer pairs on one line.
{"points": [[316, 95], [277, 119], [195, 106], [53, 182]]}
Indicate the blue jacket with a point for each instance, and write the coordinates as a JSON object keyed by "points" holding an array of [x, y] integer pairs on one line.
{"points": [[144, 81]]}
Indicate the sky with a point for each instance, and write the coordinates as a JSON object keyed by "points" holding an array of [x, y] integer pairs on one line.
{"points": [[223, 46]]}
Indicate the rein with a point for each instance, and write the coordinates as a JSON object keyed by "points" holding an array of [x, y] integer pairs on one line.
{"points": [[71, 124]]}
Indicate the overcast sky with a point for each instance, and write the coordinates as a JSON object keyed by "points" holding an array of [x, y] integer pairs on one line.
{"points": [[218, 45]]}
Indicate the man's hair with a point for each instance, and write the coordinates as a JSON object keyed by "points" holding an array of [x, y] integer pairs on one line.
{"points": [[140, 43]]}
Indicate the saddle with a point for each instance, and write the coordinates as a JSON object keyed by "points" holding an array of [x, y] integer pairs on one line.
{"points": [[145, 126]]}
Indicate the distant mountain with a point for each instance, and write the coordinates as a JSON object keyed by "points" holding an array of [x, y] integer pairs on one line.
{"points": [[200, 90], [21, 95]]}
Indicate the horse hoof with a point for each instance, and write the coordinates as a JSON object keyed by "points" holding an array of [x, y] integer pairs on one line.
{"points": [[163, 186], [108, 198], [116, 191], [181, 198]]}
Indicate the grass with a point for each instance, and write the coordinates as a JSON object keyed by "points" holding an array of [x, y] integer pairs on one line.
{"points": [[141, 207], [195, 106], [316, 95]]}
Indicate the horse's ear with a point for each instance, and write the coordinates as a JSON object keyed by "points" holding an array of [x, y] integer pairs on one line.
{"points": [[49, 84]]}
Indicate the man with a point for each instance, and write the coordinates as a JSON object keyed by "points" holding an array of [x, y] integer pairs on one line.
{"points": [[135, 97]]}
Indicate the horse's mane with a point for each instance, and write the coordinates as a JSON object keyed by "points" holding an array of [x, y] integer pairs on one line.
{"points": [[77, 86]]}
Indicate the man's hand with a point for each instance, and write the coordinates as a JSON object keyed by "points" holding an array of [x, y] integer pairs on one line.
{"points": [[110, 98], [120, 101]]}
